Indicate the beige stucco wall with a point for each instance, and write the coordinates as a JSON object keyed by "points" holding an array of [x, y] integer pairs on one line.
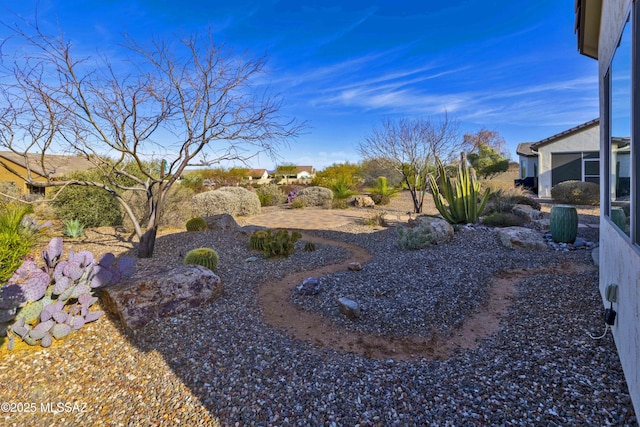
{"points": [[582, 141], [619, 259]]}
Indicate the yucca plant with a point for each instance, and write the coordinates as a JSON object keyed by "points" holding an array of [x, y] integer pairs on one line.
{"points": [[461, 194], [382, 193]]}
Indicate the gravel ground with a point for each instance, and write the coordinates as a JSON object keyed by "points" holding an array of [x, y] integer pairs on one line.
{"points": [[221, 364]]}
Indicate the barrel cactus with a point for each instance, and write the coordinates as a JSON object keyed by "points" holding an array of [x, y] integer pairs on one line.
{"points": [[205, 257], [563, 222], [196, 224]]}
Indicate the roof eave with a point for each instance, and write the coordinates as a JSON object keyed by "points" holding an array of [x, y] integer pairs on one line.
{"points": [[588, 15]]}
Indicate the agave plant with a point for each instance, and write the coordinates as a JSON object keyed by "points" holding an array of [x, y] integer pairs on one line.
{"points": [[458, 199], [73, 228]]}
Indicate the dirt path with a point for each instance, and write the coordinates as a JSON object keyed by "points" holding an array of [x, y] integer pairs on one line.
{"points": [[320, 331]]}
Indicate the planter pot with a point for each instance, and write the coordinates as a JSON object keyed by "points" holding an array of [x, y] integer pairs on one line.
{"points": [[563, 222]]}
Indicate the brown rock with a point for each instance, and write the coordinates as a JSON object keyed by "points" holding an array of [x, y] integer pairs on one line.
{"points": [[165, 293]]}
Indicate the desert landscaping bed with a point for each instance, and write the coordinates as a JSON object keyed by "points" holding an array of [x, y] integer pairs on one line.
{"points": [[224, 364]]}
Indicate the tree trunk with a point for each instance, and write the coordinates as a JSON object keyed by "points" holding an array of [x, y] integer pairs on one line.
{"points": [[147, 243]]}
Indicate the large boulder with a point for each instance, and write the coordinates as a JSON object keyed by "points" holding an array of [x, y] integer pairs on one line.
{"points": [[439, 229], [526, 212], [161, 294], [221, 222], [315, 196], [236, 201], [521, 238]]}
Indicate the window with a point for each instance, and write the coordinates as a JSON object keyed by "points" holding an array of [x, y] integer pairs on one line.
{"points": [[619, 145]]}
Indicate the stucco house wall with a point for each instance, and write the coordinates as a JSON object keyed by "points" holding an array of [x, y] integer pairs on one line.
{"points": [[619, 254], [587, 140]]}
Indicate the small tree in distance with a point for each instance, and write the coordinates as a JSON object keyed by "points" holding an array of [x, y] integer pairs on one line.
{"points": [[188, 103], [411, 147]]}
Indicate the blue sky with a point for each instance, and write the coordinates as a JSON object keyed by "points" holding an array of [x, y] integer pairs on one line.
{"points": [[504, 65]]}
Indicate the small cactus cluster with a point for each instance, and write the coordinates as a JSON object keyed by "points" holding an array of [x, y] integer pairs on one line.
{"points": [[205, 257], [280, 243], [257, 240], [196, 224], [309, 247], [38, 305]]}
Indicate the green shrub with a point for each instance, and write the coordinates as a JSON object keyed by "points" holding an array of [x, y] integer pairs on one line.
{"points": [[414, 238], [271, 195], [16, 241], [73, 228], [92, 206], [576, 193], [503, 219]]}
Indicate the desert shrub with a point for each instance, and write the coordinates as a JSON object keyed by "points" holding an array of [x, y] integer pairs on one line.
{"points": [[495, 185], [175, 211], [315, 196], [193, 181], [16, 240], [503, 219], [298, 203], [92, 206], [235, 201], [271, 195], [526, 200], [376, 219], [340, 204], [576, 193], [414, 238]]}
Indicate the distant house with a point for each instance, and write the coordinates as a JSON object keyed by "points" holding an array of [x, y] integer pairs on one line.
{"points": [[528, 163], [298, 174], [573, 154], [14, 169], [259, 176]]}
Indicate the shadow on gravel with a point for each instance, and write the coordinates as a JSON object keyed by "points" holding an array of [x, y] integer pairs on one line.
{"points": [[538, 367]]}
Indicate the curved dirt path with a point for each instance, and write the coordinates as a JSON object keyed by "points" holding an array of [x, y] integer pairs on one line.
{"points": [[318, 330]]}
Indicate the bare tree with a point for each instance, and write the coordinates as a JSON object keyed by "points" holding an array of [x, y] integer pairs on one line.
{"points": [[491, 138], [411, 146], [184, 103]]}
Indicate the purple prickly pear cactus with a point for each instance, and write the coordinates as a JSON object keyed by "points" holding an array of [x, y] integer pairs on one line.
{"points": [[52, 254], [62, 291]]}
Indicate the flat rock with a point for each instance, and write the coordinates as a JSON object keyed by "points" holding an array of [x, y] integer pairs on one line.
{"points": [[526, 212], [521, 238], [349, 308], [165, 293]]}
